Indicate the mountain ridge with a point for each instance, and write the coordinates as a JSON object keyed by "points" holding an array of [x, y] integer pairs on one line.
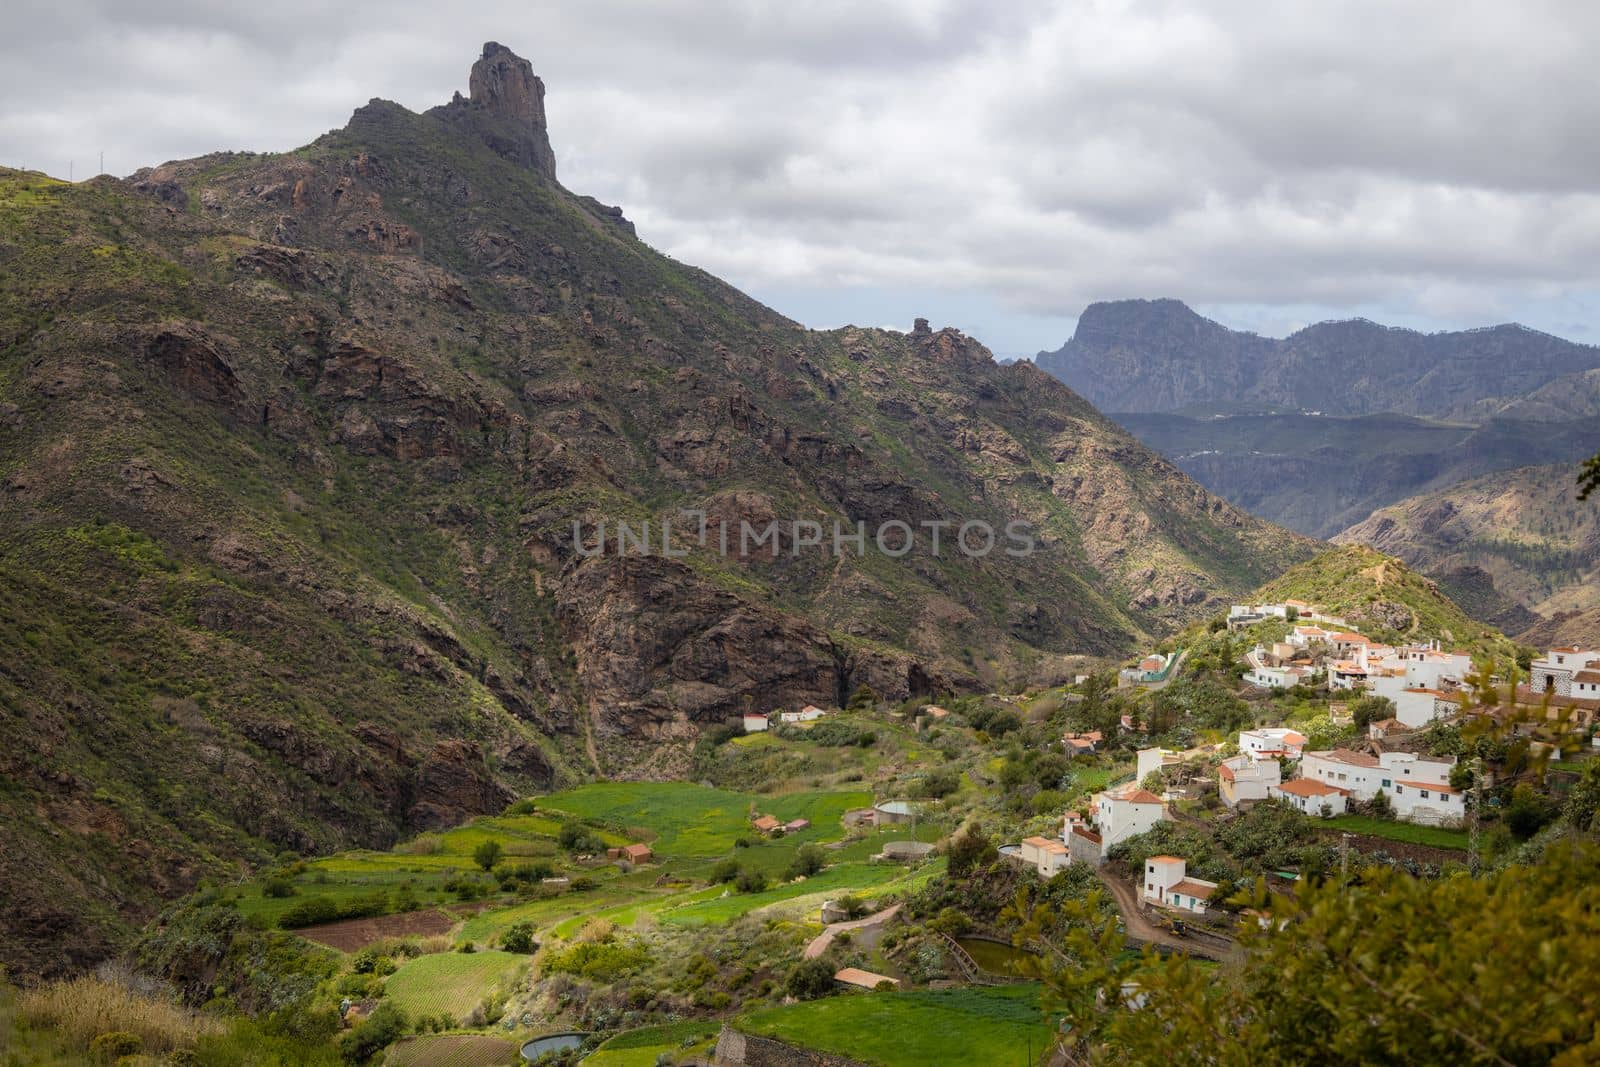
{"points": [[1160, 355], [293, 446]]}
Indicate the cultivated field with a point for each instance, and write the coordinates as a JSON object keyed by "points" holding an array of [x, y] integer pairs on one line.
{"points": [[450, 982], [981, 1025]]}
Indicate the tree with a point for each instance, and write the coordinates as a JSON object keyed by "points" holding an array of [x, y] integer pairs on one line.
{"points": [[970, 849], [750, 880], [808, 860], [1370, 708], [519, 938], [1155, 781], [487, 854], [1338, 979], [809, 979], [386, 1025], [1589, 477]]}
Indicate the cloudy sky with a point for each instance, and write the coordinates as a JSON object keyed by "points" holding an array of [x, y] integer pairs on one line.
{"points": [[990, 166]]}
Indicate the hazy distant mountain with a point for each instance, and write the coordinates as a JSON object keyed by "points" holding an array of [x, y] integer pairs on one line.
{"points": [[1159, 355], [1525, 528], [1319, 474]]}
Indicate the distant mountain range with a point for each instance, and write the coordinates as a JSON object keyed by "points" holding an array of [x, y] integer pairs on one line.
{"points": [[1161, 356], [1456, 451]]}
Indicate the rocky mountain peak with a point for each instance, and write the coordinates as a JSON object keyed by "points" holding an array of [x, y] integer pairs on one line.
{"points": [[506, 108], [504, 84]]}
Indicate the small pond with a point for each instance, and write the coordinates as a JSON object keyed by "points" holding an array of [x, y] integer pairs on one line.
{"points": [[551, 1043], [996, 957]]}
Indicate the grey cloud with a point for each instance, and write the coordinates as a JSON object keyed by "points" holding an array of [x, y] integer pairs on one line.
{"points": [[1426, 159]]}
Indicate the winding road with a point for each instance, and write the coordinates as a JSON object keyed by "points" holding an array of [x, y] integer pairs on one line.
{"points": [[1140, 928]]}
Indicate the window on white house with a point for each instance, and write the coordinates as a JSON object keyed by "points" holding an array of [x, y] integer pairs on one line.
{"points": [[1424, 794]]}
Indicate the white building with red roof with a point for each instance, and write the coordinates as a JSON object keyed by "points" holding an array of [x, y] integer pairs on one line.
{"points": [[1435, 803], [1271, 742], [1311, 796], [1045, 855], [1124, 812], [1166, 883], [1242, 779], [1557, 670]]}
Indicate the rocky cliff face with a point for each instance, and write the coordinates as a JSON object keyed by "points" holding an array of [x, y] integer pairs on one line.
{"points": [[1158, 355], [291, 451], [506, 109]]}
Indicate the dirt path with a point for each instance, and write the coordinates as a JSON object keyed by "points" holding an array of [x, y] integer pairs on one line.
{"points": [[1139, 926], [872, 926]]}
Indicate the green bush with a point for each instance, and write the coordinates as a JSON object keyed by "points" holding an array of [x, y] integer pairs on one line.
{"points": [[808, 860], [519, 938], [115, 1044], [809, 979], [598, 961], [750, 880], [487, 854], [278, 887], [386, 1025]]}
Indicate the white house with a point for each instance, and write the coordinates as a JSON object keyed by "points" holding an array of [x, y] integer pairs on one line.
{"points": [[1311, 796], [1357, 773], [1428, 667], [1306, 636], [1121, 813], [1426, 802], [1244, 778], [1044, 855], [1418, 707], [753, 723], [1557, 671], [1153, 759], [1271, 742], [809, 713], [1166, 884]]}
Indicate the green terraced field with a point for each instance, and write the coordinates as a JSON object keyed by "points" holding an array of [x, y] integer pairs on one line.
{"points": [[1410, 833], [640, 1048], [453, 982], [991, 1026], [694, 821]]}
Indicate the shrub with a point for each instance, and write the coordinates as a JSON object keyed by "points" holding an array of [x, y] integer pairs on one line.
{"points": [[750, 880], [385, 1026], [487, 854], [519, 938], [598, 961], [809, 979], [525, 806], [312, 911], [278, 887], [114, 1044], [725, 871], [808, 860]]}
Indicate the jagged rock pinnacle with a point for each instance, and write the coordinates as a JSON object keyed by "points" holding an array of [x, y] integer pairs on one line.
{"points": [[504, 84], [505, 90]]}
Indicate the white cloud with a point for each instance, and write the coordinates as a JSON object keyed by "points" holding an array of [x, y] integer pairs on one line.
{"points": [[1433, 160]]}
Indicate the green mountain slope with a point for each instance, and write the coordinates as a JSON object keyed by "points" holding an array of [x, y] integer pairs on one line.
{"points": [[291, 450], [1383, 598], [1526, 528]]}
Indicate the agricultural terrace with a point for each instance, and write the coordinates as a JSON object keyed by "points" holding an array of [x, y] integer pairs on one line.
{"points": [[909, 1029]]}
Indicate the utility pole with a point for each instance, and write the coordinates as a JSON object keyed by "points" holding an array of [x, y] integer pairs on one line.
{"points": [[1477, 802], [1344, 861]]}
